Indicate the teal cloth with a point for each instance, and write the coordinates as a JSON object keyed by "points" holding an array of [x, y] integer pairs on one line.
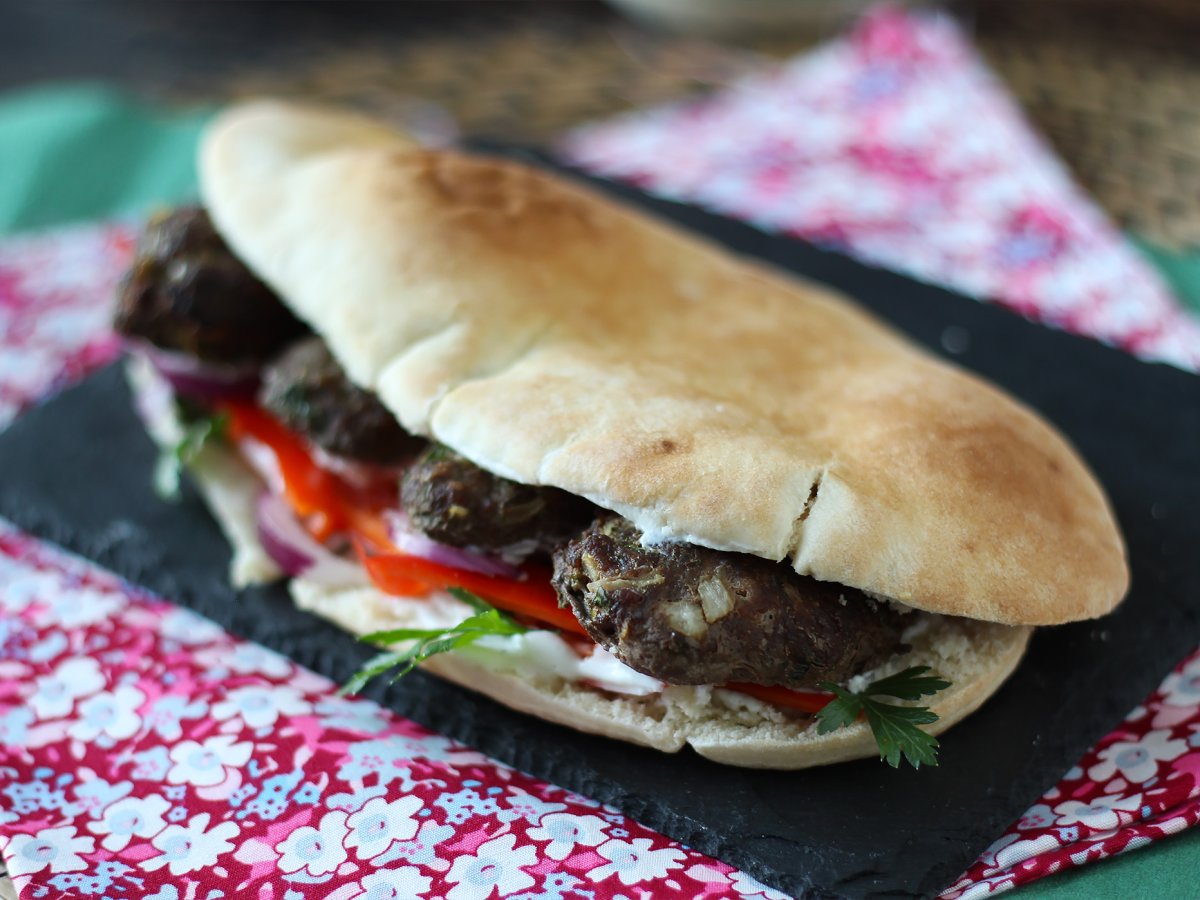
{"points": [[84, 152], [1181, 270], [1164, 870]]}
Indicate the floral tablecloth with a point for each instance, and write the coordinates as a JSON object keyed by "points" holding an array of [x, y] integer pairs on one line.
{"points": [[144, 752]]}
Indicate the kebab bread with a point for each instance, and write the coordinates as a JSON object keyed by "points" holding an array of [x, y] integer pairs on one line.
{"points": [[555, 337], [726, 726], [722, 725]]}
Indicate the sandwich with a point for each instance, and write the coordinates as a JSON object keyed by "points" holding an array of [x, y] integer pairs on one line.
{"points": [[590, 465]]}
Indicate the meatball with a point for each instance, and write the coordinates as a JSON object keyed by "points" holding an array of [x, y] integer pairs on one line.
{"points": [[187, 292], [456, 502], [690, 615], [307, 390]]}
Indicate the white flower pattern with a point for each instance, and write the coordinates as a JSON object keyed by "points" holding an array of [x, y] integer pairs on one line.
{"points": [[315, 850], [55, 694], [1100, 813], [749, 887], [110, 713], [1182, 689], [379, 823], [496, 868], [247, 659], [192, 847], [634, 861], [82, 607], [188, 628], [1137, 761], [54, 849], [129, 818], [565, 832], [393, 884], [260, 706], [207, 763]]}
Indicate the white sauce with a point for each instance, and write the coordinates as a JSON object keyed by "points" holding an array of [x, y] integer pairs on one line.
{"points": [[545, 654]]}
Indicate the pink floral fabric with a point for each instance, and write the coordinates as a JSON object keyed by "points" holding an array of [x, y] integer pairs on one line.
{"points": [[55, 305], [145, 752], [1139, 784], [896, 144]]}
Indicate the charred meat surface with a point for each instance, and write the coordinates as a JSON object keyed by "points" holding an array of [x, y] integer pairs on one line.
{"points": [[456, 502], [187, 292], [690, 615], [307, 390]]}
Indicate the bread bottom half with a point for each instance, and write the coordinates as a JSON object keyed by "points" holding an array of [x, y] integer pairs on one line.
{"points": [[722, 725], [719, 724]]}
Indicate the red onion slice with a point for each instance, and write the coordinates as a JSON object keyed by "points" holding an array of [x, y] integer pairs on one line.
{"points": [[296, 551], [413, 542], [199, 379]]}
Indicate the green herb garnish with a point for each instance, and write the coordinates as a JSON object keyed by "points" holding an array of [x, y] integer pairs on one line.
{"points": [[487, 620], [894, 726], [196, 435]]}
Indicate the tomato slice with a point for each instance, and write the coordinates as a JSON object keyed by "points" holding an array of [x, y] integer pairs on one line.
{"points": [[328, 504], [804, 701], [370, 525], [531, 597], [315, 494]]}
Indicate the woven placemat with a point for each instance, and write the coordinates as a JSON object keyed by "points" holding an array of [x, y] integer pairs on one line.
{"points": [[1116, 88], [1112, 83], [527, 81]]}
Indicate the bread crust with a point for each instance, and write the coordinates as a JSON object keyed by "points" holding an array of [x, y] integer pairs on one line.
{"points": [[976, 657], [556, 337]]}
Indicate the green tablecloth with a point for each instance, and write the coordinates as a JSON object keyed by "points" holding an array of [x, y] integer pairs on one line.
{"points": [[85, 152]]}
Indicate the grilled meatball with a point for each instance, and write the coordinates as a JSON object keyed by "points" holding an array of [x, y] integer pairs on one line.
{"points": [[690, 615], [187, 292], [456, 502], [307, 390]]}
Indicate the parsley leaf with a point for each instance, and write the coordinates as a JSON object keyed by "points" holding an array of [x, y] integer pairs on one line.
{"points": [[911, 684], [427, 642], [196, 435], [894, 726]]}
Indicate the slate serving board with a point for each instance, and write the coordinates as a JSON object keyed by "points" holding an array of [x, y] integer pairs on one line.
{"points": [[77, 471]]}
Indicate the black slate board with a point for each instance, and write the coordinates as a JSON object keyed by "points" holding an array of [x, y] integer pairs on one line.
{"points": [[77, 471]]}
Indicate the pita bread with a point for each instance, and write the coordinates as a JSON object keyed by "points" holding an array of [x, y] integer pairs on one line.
{"points": [[721, 725], [725, 726], [731, 728], [556, 337]]}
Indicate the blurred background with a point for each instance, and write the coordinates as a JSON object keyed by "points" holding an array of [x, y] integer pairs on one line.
{"points": [[1112, 85]]}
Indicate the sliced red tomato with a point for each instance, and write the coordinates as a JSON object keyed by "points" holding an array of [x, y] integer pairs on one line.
{"points": [[316, 495], [328, 504], [531, 597], [370, 525], [804, 701]]}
